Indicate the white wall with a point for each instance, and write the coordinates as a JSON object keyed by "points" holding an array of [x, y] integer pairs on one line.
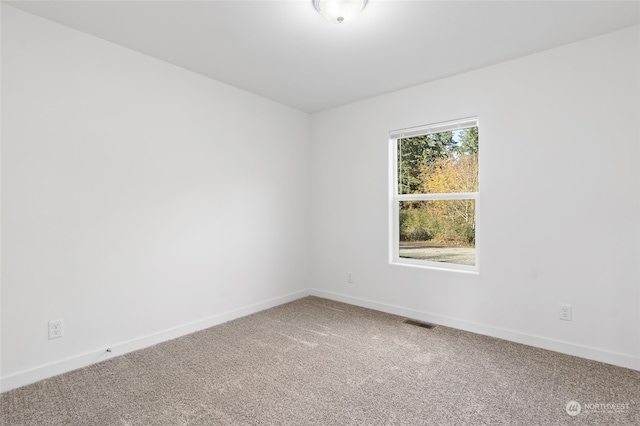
{"points": [[558, 210], [137, 197]]}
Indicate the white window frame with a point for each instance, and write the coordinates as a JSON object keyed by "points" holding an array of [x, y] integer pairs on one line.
{"points": [[395, 198]]}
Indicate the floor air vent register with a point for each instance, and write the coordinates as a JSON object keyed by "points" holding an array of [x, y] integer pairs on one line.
{"points": [[418, 323]]}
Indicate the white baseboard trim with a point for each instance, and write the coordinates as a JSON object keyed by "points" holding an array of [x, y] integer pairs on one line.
{"points": [[33, 375], [36, 374], [587, 352]]}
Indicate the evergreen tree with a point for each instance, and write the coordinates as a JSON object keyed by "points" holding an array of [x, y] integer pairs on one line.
{"points": [[417, 152]]}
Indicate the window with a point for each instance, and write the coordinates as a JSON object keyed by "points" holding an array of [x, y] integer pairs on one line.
{"points": [[434, 191]]}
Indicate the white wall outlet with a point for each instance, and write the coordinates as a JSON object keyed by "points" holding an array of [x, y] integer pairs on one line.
{"points": [[565, 312], [349, 277], [56, 329]]}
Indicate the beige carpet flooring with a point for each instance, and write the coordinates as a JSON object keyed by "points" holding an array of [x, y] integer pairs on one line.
{"points": [[320, 362]]}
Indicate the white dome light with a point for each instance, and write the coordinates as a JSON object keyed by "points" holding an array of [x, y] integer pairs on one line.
{"points": [[339, 11]]}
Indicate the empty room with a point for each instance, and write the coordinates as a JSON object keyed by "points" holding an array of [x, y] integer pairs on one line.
{"points": [[320, 212]]}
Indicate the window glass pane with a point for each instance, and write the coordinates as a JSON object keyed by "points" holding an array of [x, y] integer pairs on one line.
{"points": [[439, 163], [438, 231]]}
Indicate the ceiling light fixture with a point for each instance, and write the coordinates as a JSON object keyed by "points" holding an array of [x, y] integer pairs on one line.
{"points": [[339, 11]]}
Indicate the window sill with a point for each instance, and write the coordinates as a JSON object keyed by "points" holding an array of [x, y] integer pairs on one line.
{"points": [[437, 266]]}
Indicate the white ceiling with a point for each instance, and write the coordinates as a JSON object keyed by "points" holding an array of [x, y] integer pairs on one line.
{"points": [[285, 51]]}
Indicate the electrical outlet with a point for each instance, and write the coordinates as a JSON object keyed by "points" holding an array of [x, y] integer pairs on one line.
{"points": [[565, 312], [349, 277], [56, 329]]}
